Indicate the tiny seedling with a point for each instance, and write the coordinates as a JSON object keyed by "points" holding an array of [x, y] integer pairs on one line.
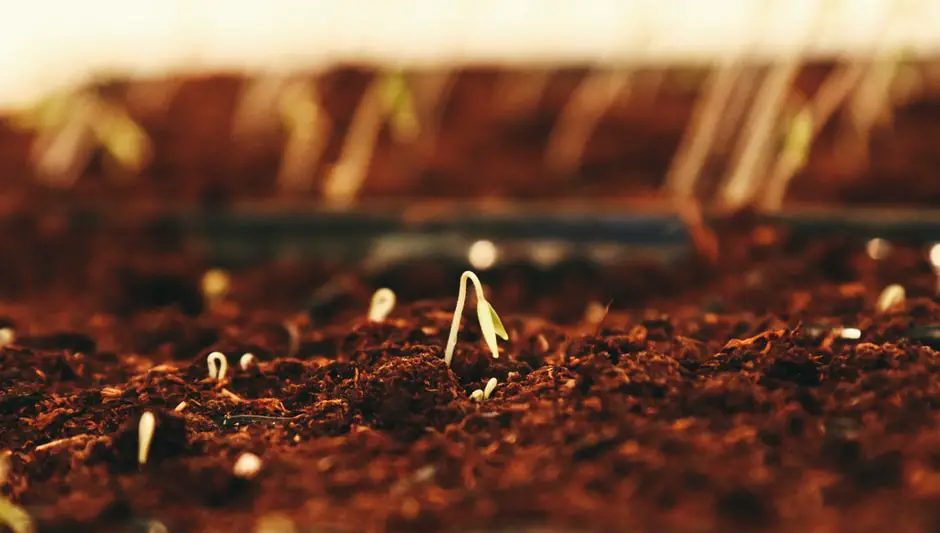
{"points": [[247, 466], [477, 396], [852, 334], [490, 387], [145, 429], [218, 365], [7, 336], [294, 333], [490, 324], [180, 407], [215, 284], [71, 127], [383, 301], [246, 361], [891, 296]]}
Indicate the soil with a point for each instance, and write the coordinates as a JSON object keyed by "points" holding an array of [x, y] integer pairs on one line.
{"points": [[718, 396], [484, 150]]}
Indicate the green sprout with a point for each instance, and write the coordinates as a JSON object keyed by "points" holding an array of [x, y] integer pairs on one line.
{"points": [[388, 97], [490, 324], [399, 103], [71, 127], [293, 104]]}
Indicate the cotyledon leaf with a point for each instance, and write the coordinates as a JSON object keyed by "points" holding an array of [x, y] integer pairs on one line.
{"points": [[490, 326]]}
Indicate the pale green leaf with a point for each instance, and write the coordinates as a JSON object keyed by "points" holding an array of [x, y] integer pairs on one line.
{"points": [[487, 327], [498, 324]]}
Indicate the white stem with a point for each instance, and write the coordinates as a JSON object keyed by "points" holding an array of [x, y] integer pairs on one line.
{"points": [[347, 175], [831, 94], [490, 387], [700, 134], [246, 360], [145, 428], [383, 301], [755, 141], [218, 365], [458, 311], [585, 109]]}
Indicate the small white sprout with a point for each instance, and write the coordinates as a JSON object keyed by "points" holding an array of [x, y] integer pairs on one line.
{"points": [[7, 336], [878, 249], [383, 301], [851, 333], [891, 296], [156, 526], [215, 283], [246, 361], [144, 436], [218, 365], [180, 407], [490, 324], [247, 466], [595, 312], [477, 396], [935, 256], [275, 523], [490, 387]]}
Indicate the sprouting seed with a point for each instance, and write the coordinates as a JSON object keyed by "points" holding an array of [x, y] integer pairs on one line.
{"points": [[850, 333], [490, 387], [180, 407], [477, 396], [7, 336], [246, 361], [215, 283], [218, 365], [490, 324], [383, 301], [891, 296], [294, 334], [247, 466], [144, 436]]}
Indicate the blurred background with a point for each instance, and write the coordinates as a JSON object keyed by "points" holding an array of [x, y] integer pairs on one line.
{"points": [[289, 129], [765, 104]]}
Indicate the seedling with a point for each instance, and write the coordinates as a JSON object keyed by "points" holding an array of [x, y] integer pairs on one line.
{"points": [[490, 324], [215, 284], [490, 387], [247, 466], [477, 396], [891, 296], [218, 365], [852, 334], [71, 127], [383, 301], [388, 97], [580, 117], [307, 128], [7, 336], [246, 361], [145, 436]]}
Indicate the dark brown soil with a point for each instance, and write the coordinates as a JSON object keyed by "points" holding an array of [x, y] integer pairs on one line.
{"points": [[709, 398]]}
